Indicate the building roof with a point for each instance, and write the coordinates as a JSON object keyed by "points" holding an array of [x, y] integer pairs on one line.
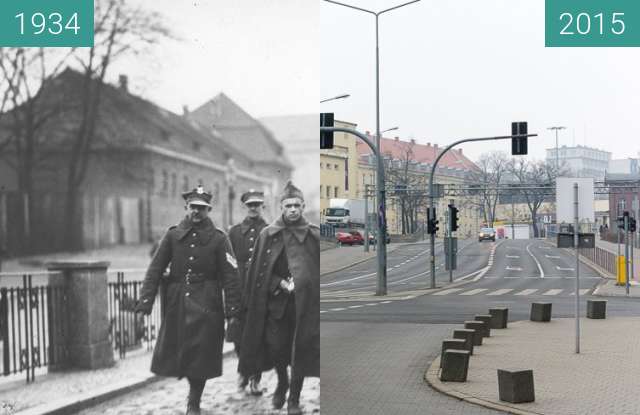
{"points": [[129, 121], [240, 130], [421, 153]]}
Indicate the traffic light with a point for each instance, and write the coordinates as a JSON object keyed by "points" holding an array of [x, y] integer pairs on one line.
{"points": [[453, 217], [632, 225], [326, 137], [519, 145], [622, 219], [432, 222]]}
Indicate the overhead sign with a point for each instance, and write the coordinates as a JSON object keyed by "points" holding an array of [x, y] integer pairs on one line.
{"points": [[565, 200]]}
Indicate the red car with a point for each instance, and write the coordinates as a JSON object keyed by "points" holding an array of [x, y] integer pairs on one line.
{"points": [[349, 238]]}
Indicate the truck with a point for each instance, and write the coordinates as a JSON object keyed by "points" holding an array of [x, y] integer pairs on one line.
{"points": [[345, 213]]}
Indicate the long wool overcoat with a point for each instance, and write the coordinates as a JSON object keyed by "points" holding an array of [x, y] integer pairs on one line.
{"points": [[202, 265], [301, 243]]}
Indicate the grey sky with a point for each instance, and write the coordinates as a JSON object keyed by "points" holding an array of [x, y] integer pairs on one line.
{"points": [[467, 68], [262, 53]]}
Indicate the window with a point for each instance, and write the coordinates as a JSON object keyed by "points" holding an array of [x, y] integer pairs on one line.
{"points": [[165, 181], [335, 166], [335, 191], [328, 189], [321, 195], [328, 166]]}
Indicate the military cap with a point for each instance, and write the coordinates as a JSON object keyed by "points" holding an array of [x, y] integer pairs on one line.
{"points": [[290, 191], [197, 196], [252, 196]]}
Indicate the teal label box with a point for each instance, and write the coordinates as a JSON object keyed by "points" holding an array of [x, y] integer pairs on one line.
{"points": [[46, 23], [592, 23]]}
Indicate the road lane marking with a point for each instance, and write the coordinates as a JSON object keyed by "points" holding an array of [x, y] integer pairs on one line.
{"points": [[513, 269], [552, 256], [449, 291], [337, 309], [554, 291], [323, 311], [512, 256], [537, 262], [474, 292], [355, 306], [500, 291], [371, 304], [527, 291], [564, 269], [584, 291], [385, 302]]}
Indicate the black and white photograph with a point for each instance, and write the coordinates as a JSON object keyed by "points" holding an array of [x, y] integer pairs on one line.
{"points": [[159, 213]]}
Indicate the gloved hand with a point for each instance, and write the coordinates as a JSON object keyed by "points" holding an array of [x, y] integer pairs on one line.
{"points": [[144, 306], [233, 333]]}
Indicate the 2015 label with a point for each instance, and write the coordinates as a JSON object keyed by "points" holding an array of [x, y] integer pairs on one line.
{"points": [[582, 23]]}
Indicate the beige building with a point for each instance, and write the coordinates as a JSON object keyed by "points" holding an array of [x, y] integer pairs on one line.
{"points": [[339, 168]]}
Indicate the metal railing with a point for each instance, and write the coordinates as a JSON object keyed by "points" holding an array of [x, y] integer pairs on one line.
{"points": [[601, 257], [128, 330], [31, 330]]}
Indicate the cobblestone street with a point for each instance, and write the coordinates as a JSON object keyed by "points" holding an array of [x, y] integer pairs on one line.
{"points": [[220, 397]]}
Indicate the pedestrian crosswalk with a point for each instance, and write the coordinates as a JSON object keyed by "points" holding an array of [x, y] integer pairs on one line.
{"points": [[511, 291]]}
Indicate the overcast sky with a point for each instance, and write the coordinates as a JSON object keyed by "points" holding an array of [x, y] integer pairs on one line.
{"points": [[467, 68], [261, 53]]}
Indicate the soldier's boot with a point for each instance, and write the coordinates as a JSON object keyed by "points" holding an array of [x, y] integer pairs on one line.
{"points": [[196, 386], [279, 396], [242, 382], [254, 384], [293, 403]]}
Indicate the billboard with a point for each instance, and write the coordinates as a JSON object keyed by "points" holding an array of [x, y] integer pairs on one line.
{"points": [[565, 203]]}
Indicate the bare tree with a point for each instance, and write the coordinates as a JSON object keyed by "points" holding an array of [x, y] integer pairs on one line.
{"points": [[488, 178], [409, 184], [119, 30]]}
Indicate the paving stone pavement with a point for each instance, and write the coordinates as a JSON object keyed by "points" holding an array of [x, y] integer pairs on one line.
{"points": [[220, 397], [378, 368], [602, 379]]}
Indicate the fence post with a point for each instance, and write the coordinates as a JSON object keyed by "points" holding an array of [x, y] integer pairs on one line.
{"points": [[85, 293]]}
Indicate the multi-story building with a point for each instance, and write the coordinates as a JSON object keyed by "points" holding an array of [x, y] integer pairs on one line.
{"points": [[624, 166], [581, 160], [339, 168], [408, 163]]}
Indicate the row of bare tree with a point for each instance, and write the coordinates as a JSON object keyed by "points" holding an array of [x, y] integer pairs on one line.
{"points": [[495, 173], [31, 106]]}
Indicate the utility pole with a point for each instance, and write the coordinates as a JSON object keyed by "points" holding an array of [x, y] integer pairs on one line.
{"points": [[557, 154], [576, 241]]}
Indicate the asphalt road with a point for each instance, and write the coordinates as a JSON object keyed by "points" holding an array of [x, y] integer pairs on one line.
{"points": [[374, 342]]}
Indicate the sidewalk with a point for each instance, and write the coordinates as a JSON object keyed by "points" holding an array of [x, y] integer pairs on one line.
{"points": [[613, 248], [339, 258], [602, 379], [74, 390]]}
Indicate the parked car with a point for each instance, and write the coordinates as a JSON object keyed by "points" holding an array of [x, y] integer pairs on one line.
{"points": [[487, 234], [349, 238]]}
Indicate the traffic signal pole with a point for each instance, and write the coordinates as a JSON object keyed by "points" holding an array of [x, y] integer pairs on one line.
{"points": [[381, 242], [432, 196]]}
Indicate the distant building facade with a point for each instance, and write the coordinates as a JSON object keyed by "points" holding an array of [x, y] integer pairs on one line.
{"points": [[624, 166], [581, 160]]}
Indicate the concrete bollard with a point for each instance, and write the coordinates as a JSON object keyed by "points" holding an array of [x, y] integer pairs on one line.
{"points": [[452, 344], [597, 309], [516, 386], [455, 366], [499, 317], [467, 336], [477, 326], [540, 311], [486, 318]]}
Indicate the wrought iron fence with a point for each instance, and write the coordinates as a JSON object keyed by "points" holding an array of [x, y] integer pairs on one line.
{"points": [[31, 331], [128, 330]]}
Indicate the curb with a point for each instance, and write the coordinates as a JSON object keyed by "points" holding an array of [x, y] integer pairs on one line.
{"points": [[431, 378], [71, 405]]}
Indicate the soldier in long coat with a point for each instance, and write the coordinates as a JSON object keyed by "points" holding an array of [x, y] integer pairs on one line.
{"points": [[243, 238], [283, 308], [202, 266]]}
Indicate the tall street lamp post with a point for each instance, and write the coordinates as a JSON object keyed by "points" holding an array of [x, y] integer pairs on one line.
{"points": [[557, 151], [382, 225]]}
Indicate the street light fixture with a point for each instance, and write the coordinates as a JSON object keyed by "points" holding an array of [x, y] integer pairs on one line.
{"points": [[382, 226], [389, 129], [557, 156], [336, 97]]}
